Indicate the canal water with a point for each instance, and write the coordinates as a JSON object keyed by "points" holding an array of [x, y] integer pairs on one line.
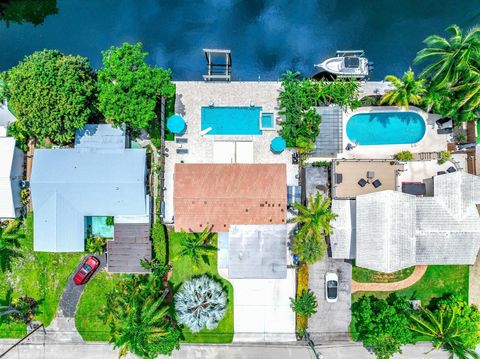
{"points": [[266, 37]]}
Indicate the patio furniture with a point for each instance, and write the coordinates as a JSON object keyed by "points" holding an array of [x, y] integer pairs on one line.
{"points": [[295, 158], [414, 188], [376, 183], [441, 123], [451, 169], [441, 173], [181, 140], [182, 151], [445, 131], [370, 174], [338, 178], [362, 182]]}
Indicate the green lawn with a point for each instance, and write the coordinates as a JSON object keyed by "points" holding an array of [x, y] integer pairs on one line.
{"points": [[437, 281], [363, 275], [87, 317], [40, 275], [183, 270]]}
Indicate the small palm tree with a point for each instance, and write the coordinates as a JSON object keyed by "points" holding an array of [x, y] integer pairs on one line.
{"points": [[450, 59], [315, 218], [10, 237], [407, 90], [197, 246], [309, 249], [442, 328], [305, 304]]}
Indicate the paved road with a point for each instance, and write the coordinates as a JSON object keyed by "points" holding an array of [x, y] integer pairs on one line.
{"points": [[249, 351], [331, 322]]}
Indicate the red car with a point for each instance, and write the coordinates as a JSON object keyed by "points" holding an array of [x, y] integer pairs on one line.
{"points": [[86, 271]]}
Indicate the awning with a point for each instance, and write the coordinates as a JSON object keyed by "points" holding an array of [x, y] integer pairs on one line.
{"points": [[176, 124], [278, 144]]}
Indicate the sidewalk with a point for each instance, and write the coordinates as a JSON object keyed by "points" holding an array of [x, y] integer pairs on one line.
{"points": [[249, 351]]}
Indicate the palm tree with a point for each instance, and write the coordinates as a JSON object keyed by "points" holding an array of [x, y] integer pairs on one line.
{"points": [[197, 246], [407, 90], [309, 249], [450, 59], [315, 218], [444, 331], [10, 237]]}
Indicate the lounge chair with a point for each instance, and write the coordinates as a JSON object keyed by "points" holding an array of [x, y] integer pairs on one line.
{"points": [[181, 140], [182, 151], [370, 174], [338, 178], [441, 173], [451, 169], [362, 182], [376, 183], [445, 131]]}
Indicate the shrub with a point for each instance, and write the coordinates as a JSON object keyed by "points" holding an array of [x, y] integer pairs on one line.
{"points": [[302, 285], [110, 221], [382, 325], [95, 244], [321, 164], [159, 241], [461, 137], [22, 310], [305, 304], [444, 157], [25, 195], [404, 156], [201, 303]]}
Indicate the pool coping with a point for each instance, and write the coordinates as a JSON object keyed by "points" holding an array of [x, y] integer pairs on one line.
{"points": [[385, 109]]}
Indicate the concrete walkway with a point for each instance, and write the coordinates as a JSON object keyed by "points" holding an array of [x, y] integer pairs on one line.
{"points": [[249, 351], [417, 274], [474, 283]]}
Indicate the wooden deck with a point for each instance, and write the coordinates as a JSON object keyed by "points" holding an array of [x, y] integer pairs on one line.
{"points": [[131, 244]]}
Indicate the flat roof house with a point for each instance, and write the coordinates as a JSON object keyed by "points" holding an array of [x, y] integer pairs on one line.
{"points": [[11, 174], [99, 177], [388, 231]]}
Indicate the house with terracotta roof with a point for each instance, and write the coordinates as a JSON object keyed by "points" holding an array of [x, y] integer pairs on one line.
{"points": [[216, 196]]}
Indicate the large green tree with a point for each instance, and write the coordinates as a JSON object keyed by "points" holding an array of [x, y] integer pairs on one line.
{"points": [[139, 319], [406, 91], [453, 326], [382, 325], [23, 11], [197, 246], [129, 89], [51, 94], [453, 72], [315, 223]]}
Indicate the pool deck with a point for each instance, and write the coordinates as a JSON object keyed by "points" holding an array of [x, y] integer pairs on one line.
{"points": [[431, 141], [191, 96]]}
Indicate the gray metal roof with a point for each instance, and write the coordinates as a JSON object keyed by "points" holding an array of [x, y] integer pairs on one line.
{"points": [[257, 251], [330, 139], [68, 185], [343, 238], [396, 230], [100, 138], [386, 231]]}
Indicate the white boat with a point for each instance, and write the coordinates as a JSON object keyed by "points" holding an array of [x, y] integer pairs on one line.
{"points": [[352, 64]]}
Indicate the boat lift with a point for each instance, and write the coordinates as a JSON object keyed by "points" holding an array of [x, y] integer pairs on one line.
{"points": [[218, 71]]}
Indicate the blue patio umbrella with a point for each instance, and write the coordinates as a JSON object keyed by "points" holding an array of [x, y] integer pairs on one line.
{"points": [[278, 144], [176, 124]]}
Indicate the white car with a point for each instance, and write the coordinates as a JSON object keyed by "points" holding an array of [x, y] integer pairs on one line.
{"points": [[331, 287]]}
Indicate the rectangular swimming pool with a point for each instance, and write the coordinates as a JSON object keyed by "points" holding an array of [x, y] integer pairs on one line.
{"points": [[231, 120]]}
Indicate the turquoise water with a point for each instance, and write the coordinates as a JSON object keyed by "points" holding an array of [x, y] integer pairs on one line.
{"points": [[385, 128], [267, 120], [98, 226], [232, 120]]}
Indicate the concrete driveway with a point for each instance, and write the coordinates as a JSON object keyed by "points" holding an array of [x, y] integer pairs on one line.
{"points": [[331, 322]]}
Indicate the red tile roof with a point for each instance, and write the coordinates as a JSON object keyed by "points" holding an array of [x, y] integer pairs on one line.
{"points": [[218, 195]]}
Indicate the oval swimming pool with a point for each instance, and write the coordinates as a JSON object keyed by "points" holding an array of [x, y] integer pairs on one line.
{"points": [[385, 128]]}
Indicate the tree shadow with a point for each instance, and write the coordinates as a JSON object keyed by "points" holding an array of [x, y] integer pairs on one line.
{"points": [[27, 11]]}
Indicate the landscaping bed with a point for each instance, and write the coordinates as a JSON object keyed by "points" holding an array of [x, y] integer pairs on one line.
{"points": [[183, 269], [363, 275], [40, 275]]}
